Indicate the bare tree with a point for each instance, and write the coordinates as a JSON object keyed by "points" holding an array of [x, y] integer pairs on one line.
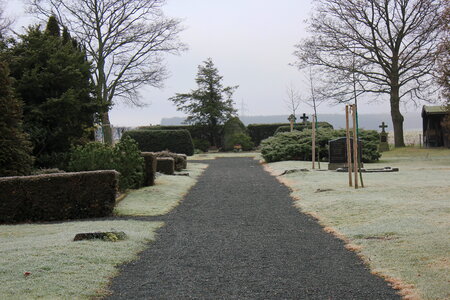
{"points": [[125, 39], [5, 22], [387, 45], [293, 99]]}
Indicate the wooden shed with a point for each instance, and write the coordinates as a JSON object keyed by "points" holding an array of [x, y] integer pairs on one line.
{"points": [[435, 134]]}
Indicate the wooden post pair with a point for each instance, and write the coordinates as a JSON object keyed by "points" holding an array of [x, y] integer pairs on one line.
{"points": [[355, 165]]}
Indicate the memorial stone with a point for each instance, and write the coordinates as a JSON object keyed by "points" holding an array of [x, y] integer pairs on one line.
{"points": [[338, 153], [384, 145]]}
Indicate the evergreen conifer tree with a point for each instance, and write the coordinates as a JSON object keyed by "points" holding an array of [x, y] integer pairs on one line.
{"points": [[53, 79], [211, 104], [15, 149]]}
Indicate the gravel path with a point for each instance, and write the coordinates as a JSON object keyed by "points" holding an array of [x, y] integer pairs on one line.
{"points": [[237, 236]]}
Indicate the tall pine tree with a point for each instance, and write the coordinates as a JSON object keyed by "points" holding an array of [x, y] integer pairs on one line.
{"points": [[15, 149]]}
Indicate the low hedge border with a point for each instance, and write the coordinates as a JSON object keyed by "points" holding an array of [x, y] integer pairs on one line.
{"points": [[149, 168], [55, 197], [165, 165]]}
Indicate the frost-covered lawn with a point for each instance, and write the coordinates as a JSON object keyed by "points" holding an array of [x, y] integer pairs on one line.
{"points": [[43, 261], [400, 222], [162, 197], [60, 268]]}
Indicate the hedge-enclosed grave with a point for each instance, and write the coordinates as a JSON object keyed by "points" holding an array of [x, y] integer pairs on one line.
{"points": [[165, 165], [61, 196], [149, 168], [177, 141]]}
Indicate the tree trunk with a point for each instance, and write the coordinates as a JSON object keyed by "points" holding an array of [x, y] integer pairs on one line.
{"points": [[397, 117], [107, 131]]}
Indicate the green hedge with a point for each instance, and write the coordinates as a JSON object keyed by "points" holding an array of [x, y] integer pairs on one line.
{"points": [[149, 168], [259, 132], [177, 141], [296, 145], [301, 127], [54, 197]]}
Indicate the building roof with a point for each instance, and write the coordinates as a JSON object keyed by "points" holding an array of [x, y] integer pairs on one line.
{"points": [[434, 110]]}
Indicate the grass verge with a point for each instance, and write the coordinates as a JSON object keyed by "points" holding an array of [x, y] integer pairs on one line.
{"points": [[60, 268], [399, 223], [162, 197]]}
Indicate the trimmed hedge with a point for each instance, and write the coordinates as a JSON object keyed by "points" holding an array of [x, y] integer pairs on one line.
{"points": [[259, 132], [56, 197], [149, 168], [165, 165], [178, 141], [199, 133]]}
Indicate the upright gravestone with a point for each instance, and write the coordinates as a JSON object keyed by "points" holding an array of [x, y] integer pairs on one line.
{"points": [[338, 153], [304, 118], [384, 145]]}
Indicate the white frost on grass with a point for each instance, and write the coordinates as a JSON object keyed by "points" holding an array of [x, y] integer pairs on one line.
{"points": [[61, 268], [400, 220], [162, 197]]}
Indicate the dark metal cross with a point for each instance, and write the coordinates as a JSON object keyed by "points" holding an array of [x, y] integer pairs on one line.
{"points": [[304, 118], [383, 126]]}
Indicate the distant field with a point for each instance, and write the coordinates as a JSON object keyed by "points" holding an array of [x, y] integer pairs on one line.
{"points": [[399, 223]]}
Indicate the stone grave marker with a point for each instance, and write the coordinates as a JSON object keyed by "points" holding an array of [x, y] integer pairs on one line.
{"points": [[304, 118], [384, 146], [338, 153], [292, 119]]}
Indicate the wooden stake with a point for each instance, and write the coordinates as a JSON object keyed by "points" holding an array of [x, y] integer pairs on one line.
{"points": [[313, 141], [349, 148], [355, 146]]}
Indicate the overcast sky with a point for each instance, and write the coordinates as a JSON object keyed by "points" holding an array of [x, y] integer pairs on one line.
{"points": [[251, 43]]}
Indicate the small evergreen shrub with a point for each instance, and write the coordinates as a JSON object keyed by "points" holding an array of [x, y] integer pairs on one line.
{"points": [[297, 145], [177, 141], [242, 139], [259, 132], [124, 157], [201, 144], [233, 130]]}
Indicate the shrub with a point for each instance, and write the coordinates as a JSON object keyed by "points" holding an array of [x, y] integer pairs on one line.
{"points": [[231, 130], [58, 196], [178, 141], [259, 132], [124, 157], [301, 127], [201, 144], [242, 139], [296, 145]]}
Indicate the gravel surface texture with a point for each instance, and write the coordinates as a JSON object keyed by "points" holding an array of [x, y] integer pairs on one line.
{"points": [[236, 235]]}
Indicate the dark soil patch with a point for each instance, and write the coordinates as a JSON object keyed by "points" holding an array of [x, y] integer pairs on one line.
{"points": [[236, 235]]}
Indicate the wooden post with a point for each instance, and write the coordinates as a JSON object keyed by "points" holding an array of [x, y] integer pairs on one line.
{"points": [[313, 141], [349, 148], [355, 147]]}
